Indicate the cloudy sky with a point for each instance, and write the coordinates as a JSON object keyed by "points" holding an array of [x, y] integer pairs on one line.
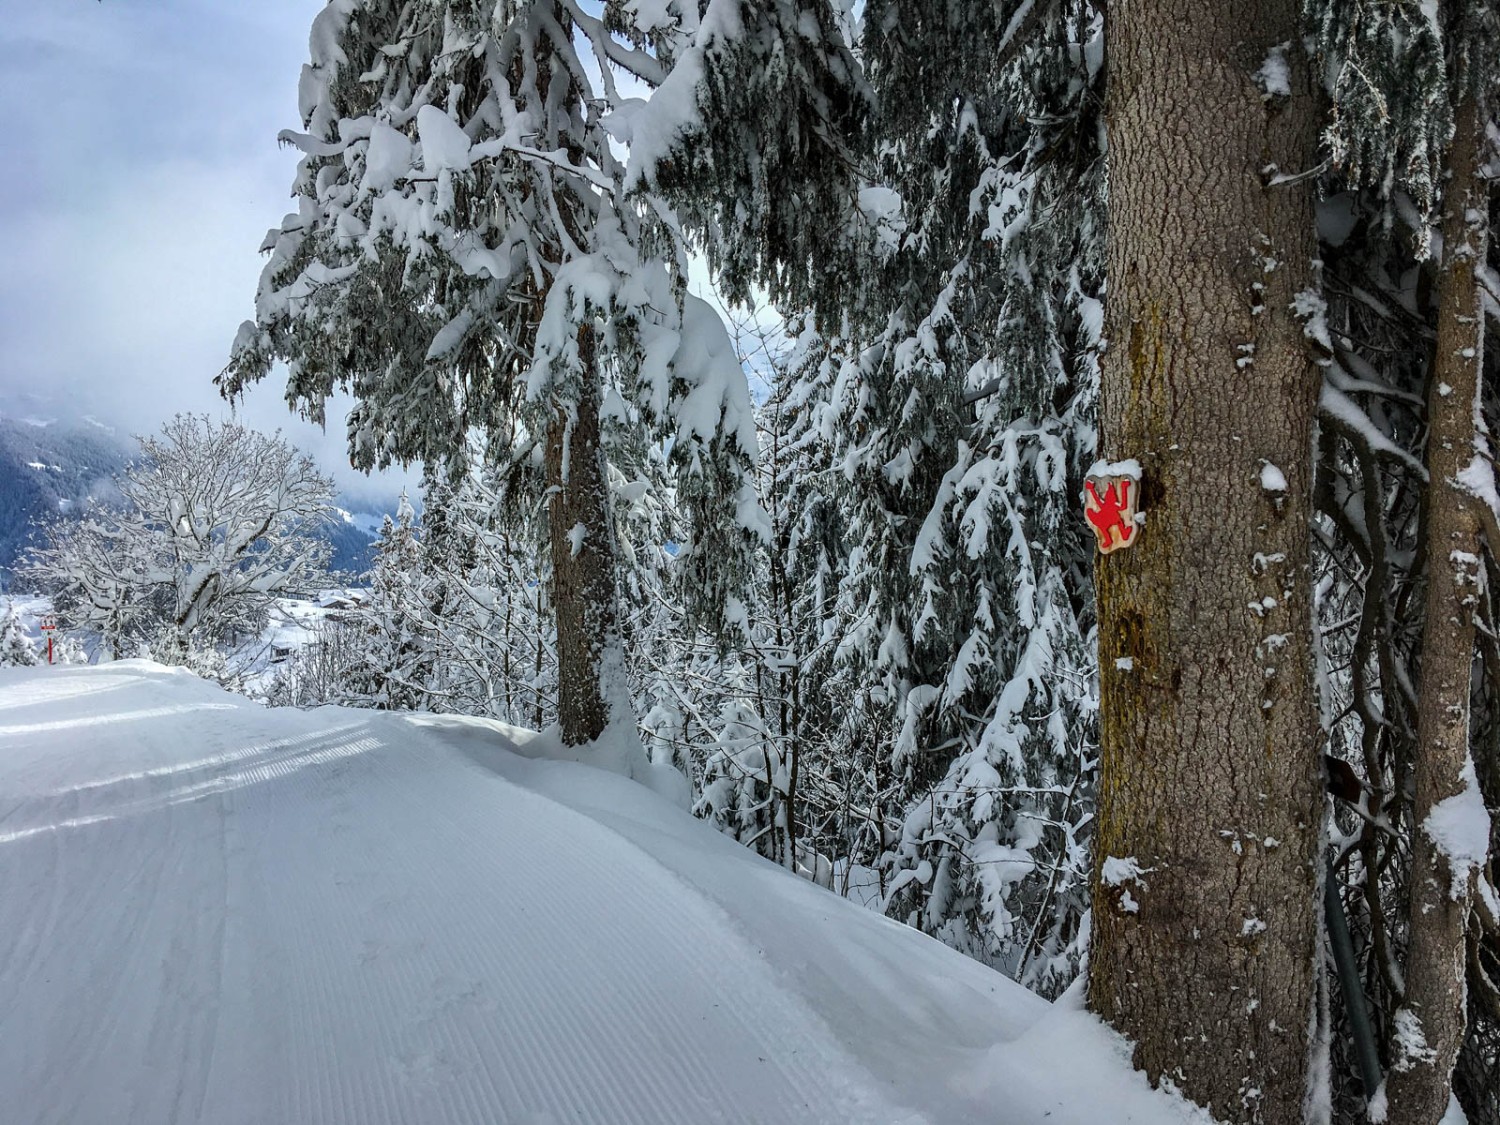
{"points": [[141, 171]]}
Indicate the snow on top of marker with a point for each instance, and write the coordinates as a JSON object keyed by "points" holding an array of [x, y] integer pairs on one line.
{"points": [[242, 914], [1128, 468]]}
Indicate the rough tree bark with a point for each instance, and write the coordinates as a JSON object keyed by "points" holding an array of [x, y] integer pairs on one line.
{"points": [[584, 596], [1433, 1017], [1209, 774]]}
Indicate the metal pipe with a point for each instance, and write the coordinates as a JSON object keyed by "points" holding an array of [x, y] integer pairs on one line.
{"points": [[1365, 1052]]}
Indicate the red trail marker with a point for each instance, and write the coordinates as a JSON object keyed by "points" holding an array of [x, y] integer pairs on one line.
{"points": [[1112, 515]]}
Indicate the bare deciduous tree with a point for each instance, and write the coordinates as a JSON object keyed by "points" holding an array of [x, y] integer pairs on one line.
{"points": [[217, 520]]}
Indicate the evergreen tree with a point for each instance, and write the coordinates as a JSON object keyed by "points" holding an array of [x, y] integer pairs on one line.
{"points": [[966, 427], [16, 649], [465, 257], [749, 716], [396, 671], [953, 389], [753, 137], [496, 647]]}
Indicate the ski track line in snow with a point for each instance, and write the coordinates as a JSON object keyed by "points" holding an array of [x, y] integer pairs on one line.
{"points": [[331, 921], [117, 717], [39, 694], [614, 840], [301, 753], [524, 1055], [259, 750]]}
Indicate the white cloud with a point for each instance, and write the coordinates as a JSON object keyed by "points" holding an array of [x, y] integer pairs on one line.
{"points": [[143, 172]]}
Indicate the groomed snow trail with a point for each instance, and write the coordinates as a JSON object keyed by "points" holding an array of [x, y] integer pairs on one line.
{"points": [[214, 912]]}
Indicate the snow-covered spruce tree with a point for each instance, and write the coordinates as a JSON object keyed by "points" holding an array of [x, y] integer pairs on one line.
{"points": [[476, 593], [495, 648], [960, 188], [754, 137], [16, 649], [966, 426], [395, 671], [465, 257], [835, 805], [768, 723], [457, 616], [766, 727], [216, 521]]}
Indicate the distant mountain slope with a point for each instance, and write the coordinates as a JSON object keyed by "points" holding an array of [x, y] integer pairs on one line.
{"points": [[48, 467], [351, 548]]}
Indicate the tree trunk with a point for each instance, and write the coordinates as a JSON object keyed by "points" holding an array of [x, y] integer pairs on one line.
{"points": [[1209, 767], [1432, 1018], [589, 652]]}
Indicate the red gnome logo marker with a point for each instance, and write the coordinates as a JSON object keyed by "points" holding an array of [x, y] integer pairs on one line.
{"points": [[1109, 504]]}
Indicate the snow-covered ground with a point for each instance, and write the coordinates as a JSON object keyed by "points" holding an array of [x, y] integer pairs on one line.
{"points": [[215, 912], [293, 623]]}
